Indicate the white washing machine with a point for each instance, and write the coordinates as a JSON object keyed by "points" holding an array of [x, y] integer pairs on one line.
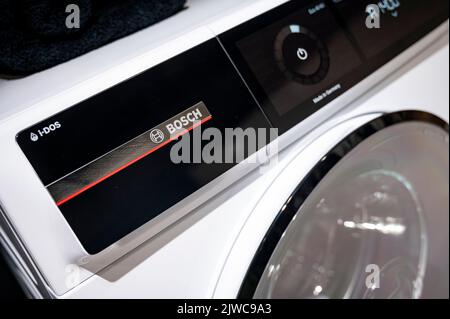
{"points": [[355, 204]]}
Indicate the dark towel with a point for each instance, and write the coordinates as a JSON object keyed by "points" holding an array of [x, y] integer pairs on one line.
{"points": [[34, 36]]}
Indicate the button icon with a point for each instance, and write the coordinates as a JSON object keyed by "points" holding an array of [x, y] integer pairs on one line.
{"points": [[302, 54], [34, 137]]}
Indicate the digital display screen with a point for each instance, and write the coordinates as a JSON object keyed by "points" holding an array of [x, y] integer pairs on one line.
{"points": [[378, 25], [107, 163]]}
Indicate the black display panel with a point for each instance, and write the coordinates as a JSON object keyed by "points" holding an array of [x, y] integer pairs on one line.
{"points": [[106, 161], [300, 56]]}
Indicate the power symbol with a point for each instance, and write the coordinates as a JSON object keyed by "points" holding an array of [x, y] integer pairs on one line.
{"points": [[302, 54]]}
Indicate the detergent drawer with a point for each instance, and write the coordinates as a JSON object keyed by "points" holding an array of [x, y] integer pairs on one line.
{"points": [[108, 163]]}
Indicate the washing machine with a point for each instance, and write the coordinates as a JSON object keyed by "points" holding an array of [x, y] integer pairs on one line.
{"points": [[350, 200]]}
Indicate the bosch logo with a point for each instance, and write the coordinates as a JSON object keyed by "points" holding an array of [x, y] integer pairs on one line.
{"points": [[34, 136], [157, 136], [184, 122]]}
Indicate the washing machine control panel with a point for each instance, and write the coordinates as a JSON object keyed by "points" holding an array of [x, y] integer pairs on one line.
{"points": [[301, 58], [302, 55], [108, 163]]}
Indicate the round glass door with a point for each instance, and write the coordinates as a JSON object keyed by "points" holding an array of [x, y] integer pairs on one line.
{"points": [[371, 221]]}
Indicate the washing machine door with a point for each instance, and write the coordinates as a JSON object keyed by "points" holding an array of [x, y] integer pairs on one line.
{"points": [[370, 221]]}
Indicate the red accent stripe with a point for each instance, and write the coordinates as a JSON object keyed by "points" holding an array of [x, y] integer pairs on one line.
{"points": [[70, 197]]}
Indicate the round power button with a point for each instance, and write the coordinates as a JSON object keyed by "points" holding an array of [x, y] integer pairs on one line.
{"points": [[301, 55]]}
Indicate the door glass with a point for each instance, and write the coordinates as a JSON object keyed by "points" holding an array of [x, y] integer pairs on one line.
{"points": [[375, 227]]}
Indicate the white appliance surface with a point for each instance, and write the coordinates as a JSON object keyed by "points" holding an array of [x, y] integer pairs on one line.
{"points": [[28, 100], [203, 255]]}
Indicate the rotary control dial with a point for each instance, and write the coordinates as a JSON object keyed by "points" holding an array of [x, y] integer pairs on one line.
{"points": [[301, 55]]}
